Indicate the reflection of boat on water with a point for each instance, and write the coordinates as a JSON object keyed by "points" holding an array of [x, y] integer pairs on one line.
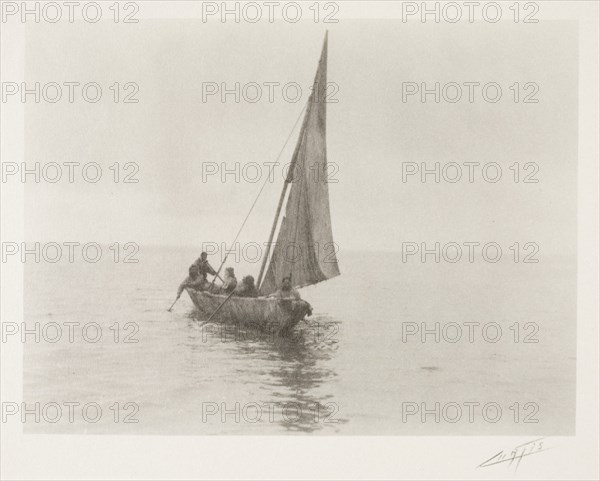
{"points": [[293, 389], [304, 250], [300, 373]]}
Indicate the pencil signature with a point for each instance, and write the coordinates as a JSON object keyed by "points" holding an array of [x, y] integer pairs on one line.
{"points": [[516, 455]]}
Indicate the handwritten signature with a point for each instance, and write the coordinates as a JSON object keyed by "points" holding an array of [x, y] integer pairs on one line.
{"points": [[516, 455]]}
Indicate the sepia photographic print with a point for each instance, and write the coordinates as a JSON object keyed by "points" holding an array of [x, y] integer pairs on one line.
{"points": [[313, 239]]}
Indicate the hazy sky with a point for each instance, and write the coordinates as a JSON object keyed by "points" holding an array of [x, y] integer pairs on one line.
{"points": [[371, 131]]}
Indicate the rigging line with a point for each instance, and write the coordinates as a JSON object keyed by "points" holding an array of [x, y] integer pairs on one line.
{"points": [[260, 192]]}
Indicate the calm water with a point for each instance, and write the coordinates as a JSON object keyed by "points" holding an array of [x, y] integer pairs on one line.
{"points": [[347, 371]]}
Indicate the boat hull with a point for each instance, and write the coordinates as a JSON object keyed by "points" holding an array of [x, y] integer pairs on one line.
{"points": [[267, 313]]}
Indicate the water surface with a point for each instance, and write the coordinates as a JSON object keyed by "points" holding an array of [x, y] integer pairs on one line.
{"points": [[347, 371]]}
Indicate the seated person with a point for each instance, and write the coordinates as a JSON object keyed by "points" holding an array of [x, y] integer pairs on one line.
{"points": [[230, 282], [286, 291], [247, 289], [290, 298]]}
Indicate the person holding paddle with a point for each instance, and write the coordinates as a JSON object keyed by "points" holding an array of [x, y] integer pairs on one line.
{"points": [[196, 279], [204, 268], [193, 281]]}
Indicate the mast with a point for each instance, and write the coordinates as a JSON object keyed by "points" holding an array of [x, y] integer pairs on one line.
{"points": [[286, 183], [266, 257], [292, 166]]}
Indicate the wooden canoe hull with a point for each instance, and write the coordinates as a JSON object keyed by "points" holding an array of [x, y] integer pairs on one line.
{"points": [[279, 315]]}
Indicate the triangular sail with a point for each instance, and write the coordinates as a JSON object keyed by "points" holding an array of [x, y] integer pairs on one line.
{"points": [[304, 248]]}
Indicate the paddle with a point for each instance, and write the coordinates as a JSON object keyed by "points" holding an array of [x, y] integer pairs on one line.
{"points": [[170, 308], [216, 275]]}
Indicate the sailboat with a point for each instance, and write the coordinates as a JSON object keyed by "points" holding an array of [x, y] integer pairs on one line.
{"points": [[304, 250]]}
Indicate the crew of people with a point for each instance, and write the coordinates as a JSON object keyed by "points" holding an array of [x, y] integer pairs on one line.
{"points": [[200, 269]]}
